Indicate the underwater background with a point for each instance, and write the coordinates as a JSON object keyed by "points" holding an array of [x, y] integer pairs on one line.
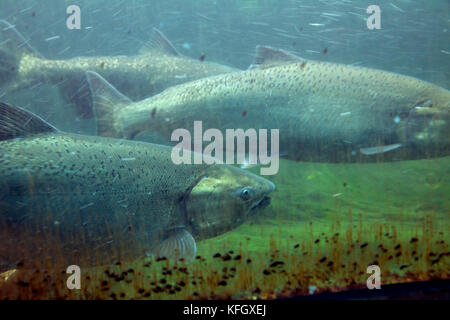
{"points": [[326, 222]]}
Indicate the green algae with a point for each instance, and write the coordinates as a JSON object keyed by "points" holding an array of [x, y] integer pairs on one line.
{"points": [[326, 225]]}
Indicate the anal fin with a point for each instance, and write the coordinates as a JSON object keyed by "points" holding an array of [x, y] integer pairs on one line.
{"points": [[106, 102]]}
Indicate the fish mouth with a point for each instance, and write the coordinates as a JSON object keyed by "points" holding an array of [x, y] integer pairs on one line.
{"points": [[264, 202]]}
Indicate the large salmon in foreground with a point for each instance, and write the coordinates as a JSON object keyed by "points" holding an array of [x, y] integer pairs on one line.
{"points": [[70, 199]]}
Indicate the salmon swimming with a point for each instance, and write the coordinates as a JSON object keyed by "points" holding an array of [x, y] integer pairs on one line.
{"points": [[158, 66], [325, 112], [71, 199]]}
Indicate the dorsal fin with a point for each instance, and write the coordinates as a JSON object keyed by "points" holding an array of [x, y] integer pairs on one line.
{"points": [[161, 44], [266, 57], [106, 101], [17, 122]]}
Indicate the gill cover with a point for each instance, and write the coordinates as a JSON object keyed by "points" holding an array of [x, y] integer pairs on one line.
{"points": [[178, 243]]}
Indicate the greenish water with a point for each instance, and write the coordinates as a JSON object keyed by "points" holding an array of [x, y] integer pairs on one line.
{"points": [[323, 217], [396, 192]]}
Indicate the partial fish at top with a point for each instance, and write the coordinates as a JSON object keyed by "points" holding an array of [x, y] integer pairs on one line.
{"points": [[158, 66], [324, 111]]}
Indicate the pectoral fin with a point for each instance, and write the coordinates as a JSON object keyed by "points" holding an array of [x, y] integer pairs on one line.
{"points": [[179, 243], [379, 149], [4, 276]]}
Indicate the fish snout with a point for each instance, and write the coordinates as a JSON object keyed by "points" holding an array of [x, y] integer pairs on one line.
{"points": [[271, 186], [427, 129], [428, 124]]}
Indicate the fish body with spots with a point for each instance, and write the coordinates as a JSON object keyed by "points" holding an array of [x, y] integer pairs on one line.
{"points": [[70, 199], [324, 111], [158, 66]]}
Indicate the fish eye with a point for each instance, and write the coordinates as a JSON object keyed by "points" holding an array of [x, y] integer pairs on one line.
{"points": [[246, 193]]}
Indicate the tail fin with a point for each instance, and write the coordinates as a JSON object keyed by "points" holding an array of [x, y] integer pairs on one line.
{"points": [[13, 41], [13, 46], [107, 100], [17, 122]]}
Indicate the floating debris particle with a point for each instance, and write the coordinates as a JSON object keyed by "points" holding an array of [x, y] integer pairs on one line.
{"points": [[52, 38], [222, 283], [413, 240], [276, 263], [226, 257]]}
